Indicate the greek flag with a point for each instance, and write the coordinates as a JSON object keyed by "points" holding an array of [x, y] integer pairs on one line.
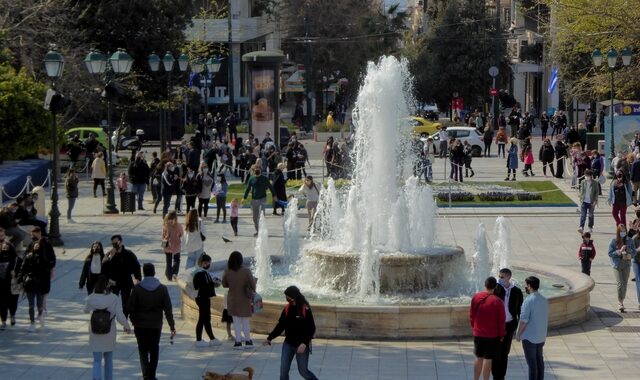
{"points": [[553, 80]]}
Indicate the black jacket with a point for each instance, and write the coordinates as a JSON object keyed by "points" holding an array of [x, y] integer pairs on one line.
{"points": [[139, 171], [279, 185], [203, 283], [86, 274], [120, 267], [546, 153], [298, 328], [146, 305], [515, 305], [35, 271], [8, 261]]}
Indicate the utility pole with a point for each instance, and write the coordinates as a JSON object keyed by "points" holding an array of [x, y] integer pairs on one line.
{"points": [[495, 106], [308, 80], [230, 65]]}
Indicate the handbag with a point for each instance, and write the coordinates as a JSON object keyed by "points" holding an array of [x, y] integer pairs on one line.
{"points": [[164, 243], [602, 179], [202, 236], [256, 303], [16, 287]]}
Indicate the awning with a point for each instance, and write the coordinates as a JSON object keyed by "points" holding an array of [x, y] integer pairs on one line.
{"points": [[295, 83]]}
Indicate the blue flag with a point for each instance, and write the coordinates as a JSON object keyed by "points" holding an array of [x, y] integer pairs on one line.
{"points": [[553, 80]]}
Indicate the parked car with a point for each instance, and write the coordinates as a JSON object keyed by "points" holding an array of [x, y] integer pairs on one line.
{"points": [[470, 134], [423, 127], [83, 133]]}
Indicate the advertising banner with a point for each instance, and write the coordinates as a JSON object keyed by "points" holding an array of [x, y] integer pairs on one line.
{"points": [[263, 101]]}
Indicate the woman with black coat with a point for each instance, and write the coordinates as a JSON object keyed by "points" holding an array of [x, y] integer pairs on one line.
{"points": [[546, 156], [92, 267], [205, 285], [35, 277], [280, 189], [296, 320], [8, 301], [561, 156]]}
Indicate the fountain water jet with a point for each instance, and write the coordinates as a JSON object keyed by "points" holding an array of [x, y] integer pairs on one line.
{"points": [[262, 267], [481, 260], [502, 246], [291, 240]]}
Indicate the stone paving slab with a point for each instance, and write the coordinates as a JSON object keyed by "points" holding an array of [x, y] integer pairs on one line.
{"points": [[592, 350]]}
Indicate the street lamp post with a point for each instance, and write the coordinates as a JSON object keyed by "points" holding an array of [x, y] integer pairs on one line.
{"points": [[167, 63], [612, 61], [203, 67], [98, 64], [54, 65]]}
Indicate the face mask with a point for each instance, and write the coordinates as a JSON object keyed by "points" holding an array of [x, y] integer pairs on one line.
{"points": [[29, 208], [34, 238], [623, 234], [206, 266], [190, 175], [587, 178], [115, 245], [502, 282]]}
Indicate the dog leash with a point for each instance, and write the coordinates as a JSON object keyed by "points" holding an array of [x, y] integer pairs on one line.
{"points": [[255, 349]]}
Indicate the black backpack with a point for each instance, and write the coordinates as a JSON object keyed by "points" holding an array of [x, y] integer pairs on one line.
{"points": [[101, 321]]}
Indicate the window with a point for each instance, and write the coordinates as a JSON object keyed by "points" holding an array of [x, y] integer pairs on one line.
{"points": [[506, 16], [461, 134]]}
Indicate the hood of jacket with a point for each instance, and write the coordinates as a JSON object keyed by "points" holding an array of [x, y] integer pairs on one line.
{"points": [[150, 283]]}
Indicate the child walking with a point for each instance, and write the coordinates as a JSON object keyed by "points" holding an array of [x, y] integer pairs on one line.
{"points": [[234, 216], [226, 319], [586, 253], [527, 155]]}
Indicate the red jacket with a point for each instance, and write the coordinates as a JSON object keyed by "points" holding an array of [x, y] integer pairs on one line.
{"points": [[486, 315], [587, 250]]}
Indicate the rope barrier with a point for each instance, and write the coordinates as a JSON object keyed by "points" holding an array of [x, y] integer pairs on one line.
{"points": [[25, 188]]}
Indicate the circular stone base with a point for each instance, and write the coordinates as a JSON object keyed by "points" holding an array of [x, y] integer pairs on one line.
{"points": [[400, 272], [406, 322]]}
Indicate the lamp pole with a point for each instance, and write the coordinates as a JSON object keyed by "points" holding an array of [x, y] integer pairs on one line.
{"points": [[612, 62], [230, 65], [54, 65], [98, 64]]}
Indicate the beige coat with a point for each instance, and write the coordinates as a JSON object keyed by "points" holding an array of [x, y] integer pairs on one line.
{"points": [[241, 286], [111, 302]]}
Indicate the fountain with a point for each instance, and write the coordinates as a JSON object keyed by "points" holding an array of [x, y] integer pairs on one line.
{"points": [[372, 266]]}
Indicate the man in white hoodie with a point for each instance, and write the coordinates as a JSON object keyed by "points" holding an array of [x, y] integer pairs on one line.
{"points": [[148, 300]]}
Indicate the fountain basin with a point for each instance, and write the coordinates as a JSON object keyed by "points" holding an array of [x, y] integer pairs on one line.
{"points": [[400, 272], [343, 321]]}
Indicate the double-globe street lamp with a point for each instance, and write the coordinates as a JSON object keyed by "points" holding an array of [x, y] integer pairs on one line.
{"points": [[168, 62], [205, 67], [612, 62], [54, 65], [107, 69]]}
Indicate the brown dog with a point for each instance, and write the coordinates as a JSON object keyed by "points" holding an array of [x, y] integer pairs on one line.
{"points": [[230, 376]]}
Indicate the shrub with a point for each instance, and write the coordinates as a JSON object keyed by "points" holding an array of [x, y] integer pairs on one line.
{"points": [[528, 196], [190, 129], [496, 196], [456, 196], [322, 127]]}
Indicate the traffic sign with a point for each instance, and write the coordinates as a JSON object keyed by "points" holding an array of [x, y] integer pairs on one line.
{"points": [[493, 71], [493, 91]]}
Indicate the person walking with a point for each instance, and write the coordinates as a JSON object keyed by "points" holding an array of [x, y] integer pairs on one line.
{"points": [[546, 156], [561, 157], [193, 238], [532, 329], [205, 285], [242, 285], [168, 181], [296, 321], [457, 160], [205, 184], [98, 173], [487, 137], [103, 345], [35, 276], [443, 136], [233, 216], [512, 159], [71, 190], [220, 192], [258, 185], [621, 251], [589, 190], [122, 269], [280, 188], [310, 191], [586, 253], [512, 297], [544, 125], [468, 158], [92, 267], [149, 300], [487, 318], [139, 176], [501, 140], [171, 241], [8, 264], [619, 198], [527, 158], [190, 188]]}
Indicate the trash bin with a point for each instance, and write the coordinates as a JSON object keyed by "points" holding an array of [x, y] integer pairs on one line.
{"points": [[127, 202]]}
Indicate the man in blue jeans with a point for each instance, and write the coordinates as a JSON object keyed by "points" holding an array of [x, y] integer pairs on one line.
{"points": [[139, 175], [532, 330], [589, 190]]}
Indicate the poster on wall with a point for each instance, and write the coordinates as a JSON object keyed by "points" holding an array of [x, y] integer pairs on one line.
{"points": [[625, 128], [263, 101]]}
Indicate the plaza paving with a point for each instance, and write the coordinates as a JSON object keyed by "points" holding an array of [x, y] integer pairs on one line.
{"points": [[605, 347]]}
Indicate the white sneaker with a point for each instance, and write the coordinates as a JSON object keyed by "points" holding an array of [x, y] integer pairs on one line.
{"points": [[32, 327], [589, 230], [215, 342], [41, 320], [201, 343], [3, 326], [71, 221]]}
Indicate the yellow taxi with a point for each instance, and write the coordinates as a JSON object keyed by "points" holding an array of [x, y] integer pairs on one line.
{"points": [[424, 127]]}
